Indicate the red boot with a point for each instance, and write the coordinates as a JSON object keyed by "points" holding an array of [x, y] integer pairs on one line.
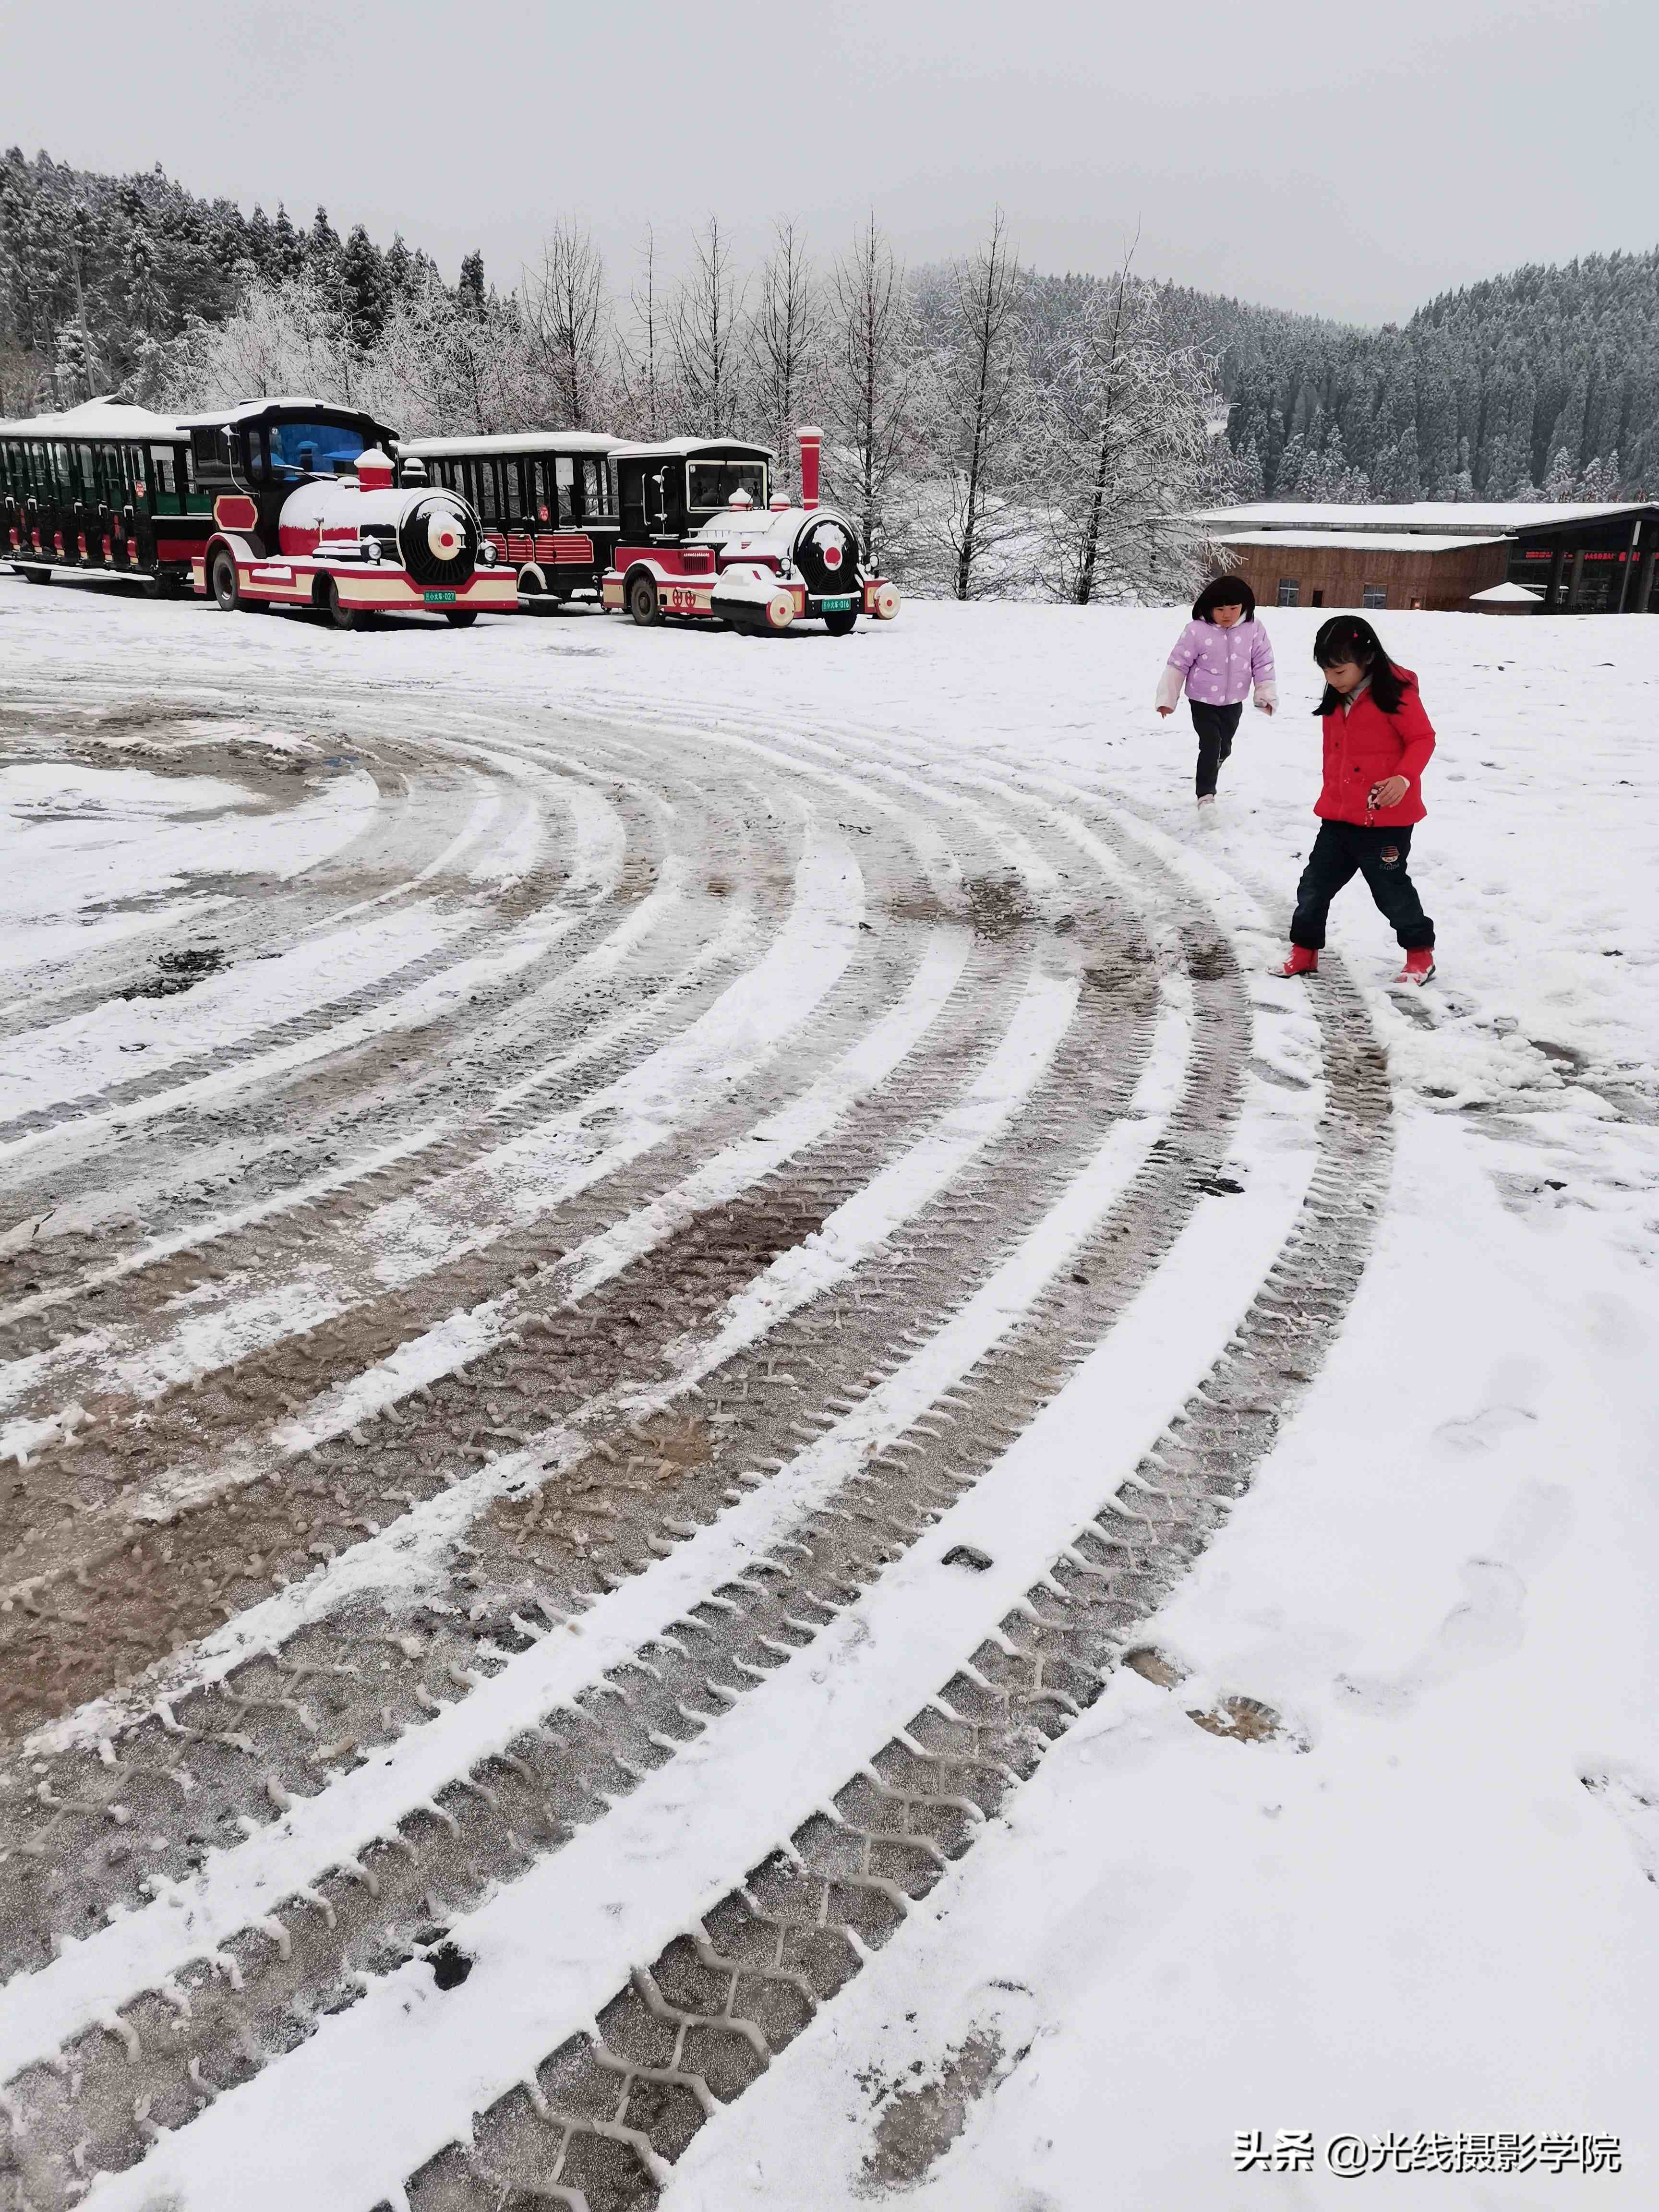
{"points": [[1419, 965], [1301, 962]]}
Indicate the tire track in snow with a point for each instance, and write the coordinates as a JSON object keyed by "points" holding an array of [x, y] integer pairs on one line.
{"points": [[627, 2067], [1005, 1178]]}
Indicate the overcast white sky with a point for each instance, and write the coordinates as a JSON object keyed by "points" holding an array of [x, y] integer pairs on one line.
{"points": [[1343, 159]]}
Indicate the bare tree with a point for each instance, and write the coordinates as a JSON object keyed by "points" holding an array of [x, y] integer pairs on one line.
{"points": [[642, 366], [977, 405], [868, 381], [565, 317], [1128, 446], [706, 328], [785, 336]]}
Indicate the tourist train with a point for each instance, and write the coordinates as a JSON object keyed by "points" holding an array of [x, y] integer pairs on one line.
{"points": [[295, 503], [278, 502]]}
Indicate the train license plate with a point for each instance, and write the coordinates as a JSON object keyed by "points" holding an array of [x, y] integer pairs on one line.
{"points": [[834, 606], [439, 599]]}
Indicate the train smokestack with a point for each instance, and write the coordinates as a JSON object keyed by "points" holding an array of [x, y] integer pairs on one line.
{"points": [[811, 440]]}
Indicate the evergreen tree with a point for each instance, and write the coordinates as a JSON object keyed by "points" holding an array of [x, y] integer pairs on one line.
{"points": [[363, 282]]}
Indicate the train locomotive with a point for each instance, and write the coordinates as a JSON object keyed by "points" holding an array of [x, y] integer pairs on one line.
{"points": [[703, 536], [305, 514]]}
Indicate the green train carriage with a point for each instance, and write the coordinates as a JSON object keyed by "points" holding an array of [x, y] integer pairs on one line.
{"points": [[103, 489]]}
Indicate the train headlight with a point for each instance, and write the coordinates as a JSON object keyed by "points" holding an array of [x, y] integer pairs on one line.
{"points": [[487, 554], [371, 549], [444, 534]]}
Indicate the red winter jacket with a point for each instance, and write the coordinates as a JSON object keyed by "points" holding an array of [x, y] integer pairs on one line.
{"points": [[1366, 747]]}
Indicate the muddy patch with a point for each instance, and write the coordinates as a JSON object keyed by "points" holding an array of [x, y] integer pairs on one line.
{"points": [[923, 2116], [997, 905], [179, 971]]}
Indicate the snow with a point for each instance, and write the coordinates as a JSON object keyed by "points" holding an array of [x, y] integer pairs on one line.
{"points": [[1358, 541], [666, 449], [1460, 516], [533, 442], [1507, 594], [1439, 1914], [112, 419]]}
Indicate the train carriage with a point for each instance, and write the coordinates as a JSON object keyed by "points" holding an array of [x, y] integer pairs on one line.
{"points": [[544, 501], [103, 489], [305, 514], [704, 535]]}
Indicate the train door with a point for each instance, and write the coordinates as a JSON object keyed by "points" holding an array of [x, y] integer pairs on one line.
{"points": [[516, 519]]}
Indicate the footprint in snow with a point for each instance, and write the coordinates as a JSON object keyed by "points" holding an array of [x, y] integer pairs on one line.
{"points": [[1485, 1625], [1633, 1798], [1241, 1720]]}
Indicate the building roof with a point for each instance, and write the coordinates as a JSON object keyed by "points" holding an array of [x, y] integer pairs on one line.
{"points": [[1512, 592], [1358, 541], [106, 420], [1449, 517], [527, 441]]}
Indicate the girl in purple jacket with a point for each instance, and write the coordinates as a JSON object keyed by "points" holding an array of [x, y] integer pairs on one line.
{"points": [[1223, 651]]}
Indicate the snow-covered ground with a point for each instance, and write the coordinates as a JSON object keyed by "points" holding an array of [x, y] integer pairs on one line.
{"points": [[1424, 1900]]}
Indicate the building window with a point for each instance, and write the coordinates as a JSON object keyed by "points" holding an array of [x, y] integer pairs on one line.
{"points": [[1373, 595], [1289, 591]]}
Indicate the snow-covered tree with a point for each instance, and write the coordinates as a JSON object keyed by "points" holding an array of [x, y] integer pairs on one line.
{"points": [[869, 379], [977, 409], [644, 365], [1125, 448], [568, 318], [785, 341], [705, 326]]}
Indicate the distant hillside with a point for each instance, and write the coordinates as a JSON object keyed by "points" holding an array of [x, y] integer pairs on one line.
{"points": [[101, 276], [1544, 381]]}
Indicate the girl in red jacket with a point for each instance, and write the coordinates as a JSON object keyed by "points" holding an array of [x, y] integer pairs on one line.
{"points": [[1377, 743]]}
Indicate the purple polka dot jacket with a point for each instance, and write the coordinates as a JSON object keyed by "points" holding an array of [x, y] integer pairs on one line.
{"points": [[1219, 666]]}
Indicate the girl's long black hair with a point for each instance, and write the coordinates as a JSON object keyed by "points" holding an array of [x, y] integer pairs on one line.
{"points": [[1224, 591], [1350, 637]]}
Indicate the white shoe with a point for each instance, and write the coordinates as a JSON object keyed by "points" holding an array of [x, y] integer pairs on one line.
{"points": [[1208, 799]]}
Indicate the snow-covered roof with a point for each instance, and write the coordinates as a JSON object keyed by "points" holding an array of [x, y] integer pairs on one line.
{"points": [[104, 419], [1511, 593], [527, 441], [1358, 541], [1452, 518], [240, 410], [674, 449]]}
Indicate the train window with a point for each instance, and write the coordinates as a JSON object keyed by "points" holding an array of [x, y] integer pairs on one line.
{"points": [[255, 452], [713, 482], [512, 496], [208, 447], [313, 449], [60, 471], [595, 490], [489, 504], [564, 487], [87, 455]]}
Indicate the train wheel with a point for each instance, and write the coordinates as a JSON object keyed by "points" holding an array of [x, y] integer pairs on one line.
{"points": [[461, 617], [841, 625], [642, 602], [343, 618], [224, 584]]}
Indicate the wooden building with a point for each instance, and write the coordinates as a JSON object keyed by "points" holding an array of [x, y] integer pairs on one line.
{"points": [[1364, 568], [1582, 558]]}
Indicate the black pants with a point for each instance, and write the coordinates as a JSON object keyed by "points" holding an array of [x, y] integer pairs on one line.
{"points": [[1379, 855], [1215, 726]]}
